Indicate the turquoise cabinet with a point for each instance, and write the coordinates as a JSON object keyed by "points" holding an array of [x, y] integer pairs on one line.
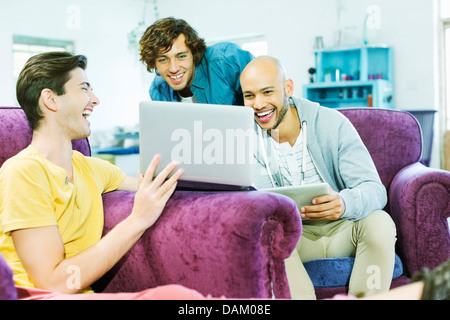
{"points": [[353, 77]]}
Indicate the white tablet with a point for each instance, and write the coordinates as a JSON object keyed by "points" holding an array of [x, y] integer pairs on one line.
{"points": [[304, 194]]}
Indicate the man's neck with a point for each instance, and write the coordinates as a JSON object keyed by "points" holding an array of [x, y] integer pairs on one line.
{"points": [[56, 149], [186, 92], [190, 99]]}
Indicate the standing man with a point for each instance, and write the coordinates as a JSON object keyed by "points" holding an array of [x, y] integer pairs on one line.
{"points": [[189, 71], [306, 143], [58, 224]]}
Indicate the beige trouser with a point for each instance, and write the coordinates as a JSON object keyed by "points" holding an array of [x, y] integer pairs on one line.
{"points": [[370, 240]]}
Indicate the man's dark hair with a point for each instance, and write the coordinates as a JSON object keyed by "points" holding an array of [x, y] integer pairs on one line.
{"points": [[50, 70], [161, 35]]}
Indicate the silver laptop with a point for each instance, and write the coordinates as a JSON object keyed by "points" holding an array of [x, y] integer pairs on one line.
{"points": [[213, 144]]}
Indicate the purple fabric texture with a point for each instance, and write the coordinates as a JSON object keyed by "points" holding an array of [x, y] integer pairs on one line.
{"points": [[230, 244], [418, 197], [15, 134], [219, 243], [420, 205], [392, 137], [7, 289]]}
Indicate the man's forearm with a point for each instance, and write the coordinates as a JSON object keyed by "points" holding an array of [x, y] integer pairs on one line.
{"points": [[41, 252], [94, 262]]}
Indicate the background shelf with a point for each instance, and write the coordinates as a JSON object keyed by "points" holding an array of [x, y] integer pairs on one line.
{"points": [[353, 76]]}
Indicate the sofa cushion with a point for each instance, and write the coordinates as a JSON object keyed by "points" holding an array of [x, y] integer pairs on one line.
{"points": [[7, 288], [335, 272]]}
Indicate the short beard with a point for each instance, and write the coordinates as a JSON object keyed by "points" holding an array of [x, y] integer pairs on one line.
{"points": [[283, 111]]}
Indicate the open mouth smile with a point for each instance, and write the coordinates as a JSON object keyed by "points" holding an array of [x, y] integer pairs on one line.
{"points": [[265, 116], [177, 78], [87, 112]]}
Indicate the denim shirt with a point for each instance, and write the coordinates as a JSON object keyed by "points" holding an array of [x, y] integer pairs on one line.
{"points": [[216, 78]]}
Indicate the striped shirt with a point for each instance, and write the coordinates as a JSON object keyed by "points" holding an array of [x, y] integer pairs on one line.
{"points": [[290, 163]]}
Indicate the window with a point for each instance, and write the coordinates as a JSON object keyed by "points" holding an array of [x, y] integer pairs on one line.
{"points": [[257, 48], [25, 47], [255, 44]]}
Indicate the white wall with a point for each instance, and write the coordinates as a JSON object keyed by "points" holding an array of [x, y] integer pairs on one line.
{"points": [[114, 70], [291, 26], [120, 80]]}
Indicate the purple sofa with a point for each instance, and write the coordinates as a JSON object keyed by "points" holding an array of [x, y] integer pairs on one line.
{"points": [[418, 196], [219, 243]]}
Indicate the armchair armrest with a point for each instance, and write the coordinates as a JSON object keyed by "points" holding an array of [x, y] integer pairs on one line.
{"points": [[419, 205], [230, 244]]}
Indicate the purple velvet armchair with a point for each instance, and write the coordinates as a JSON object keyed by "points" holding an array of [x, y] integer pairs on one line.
{"points": [[219, 243], [418, 196]]}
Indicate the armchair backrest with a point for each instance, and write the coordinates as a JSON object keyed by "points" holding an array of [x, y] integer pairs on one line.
{"points": [[15, 134], [393, 138]]}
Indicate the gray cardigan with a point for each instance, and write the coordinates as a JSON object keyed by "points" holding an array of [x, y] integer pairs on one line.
{"points": [[339, 155]]}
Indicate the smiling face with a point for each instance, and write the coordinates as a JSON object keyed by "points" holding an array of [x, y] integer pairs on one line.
{"points": [[177, 66], [76, 104], [267, 92]]}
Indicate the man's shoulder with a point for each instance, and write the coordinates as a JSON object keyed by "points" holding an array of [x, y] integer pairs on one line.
{"points": [[315, 109], [223, 46], [27, 155], [321, 119], [26, 162], [223, 50], [79, 158]]}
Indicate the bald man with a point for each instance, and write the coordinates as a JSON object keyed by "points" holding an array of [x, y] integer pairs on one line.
{"points": [[304, 143]]}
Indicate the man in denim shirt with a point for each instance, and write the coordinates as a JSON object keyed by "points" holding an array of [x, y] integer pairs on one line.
{"points": [[189, 71]]}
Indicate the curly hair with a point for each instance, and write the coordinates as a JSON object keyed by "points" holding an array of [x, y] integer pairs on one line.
{"points": [[161, 35]]}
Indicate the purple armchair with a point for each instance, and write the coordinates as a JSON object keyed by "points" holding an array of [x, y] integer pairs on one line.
{"points": [[418, 197], [219, 243]]}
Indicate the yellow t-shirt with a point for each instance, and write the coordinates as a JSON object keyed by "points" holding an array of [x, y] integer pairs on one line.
{"points": [[34, 193]]}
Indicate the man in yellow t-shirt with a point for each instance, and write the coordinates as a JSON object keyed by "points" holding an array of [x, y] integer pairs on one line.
{"points": [[76, 209], [51, 213]]}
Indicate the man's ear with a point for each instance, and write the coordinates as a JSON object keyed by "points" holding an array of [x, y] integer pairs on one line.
{"points": [[48, 99], [289, 87]]}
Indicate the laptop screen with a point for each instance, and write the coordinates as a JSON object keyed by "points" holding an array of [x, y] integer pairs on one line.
{"points": [[213, 144]]}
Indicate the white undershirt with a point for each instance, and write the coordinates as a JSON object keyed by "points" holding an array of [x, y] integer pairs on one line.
{"points": [[290, 162], [190, 99]]}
